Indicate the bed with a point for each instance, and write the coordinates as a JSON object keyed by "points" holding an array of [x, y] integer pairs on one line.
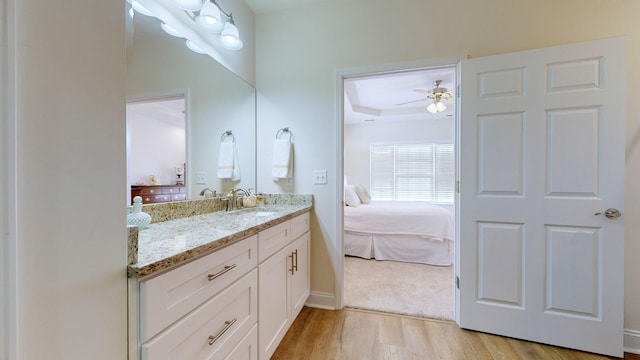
{"points": [[416, 232]]}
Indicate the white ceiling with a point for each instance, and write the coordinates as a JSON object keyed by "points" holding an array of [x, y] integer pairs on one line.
{"points": [[170, 111], [377, 97]]}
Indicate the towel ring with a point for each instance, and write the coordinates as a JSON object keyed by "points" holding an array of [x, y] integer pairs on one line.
{"points": [[283, 131], [227, 133]]}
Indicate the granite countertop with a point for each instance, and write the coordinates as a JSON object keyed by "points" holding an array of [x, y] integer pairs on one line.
{"points": [[165, 244]]}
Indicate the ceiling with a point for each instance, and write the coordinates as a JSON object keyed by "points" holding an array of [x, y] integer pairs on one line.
{"points": [[376, 98], [369, 99]]}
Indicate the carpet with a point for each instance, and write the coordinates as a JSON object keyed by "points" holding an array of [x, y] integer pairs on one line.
{"points": [[399, 288]]}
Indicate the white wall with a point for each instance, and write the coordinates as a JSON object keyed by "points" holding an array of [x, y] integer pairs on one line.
{"points": [[299, 51], [359, 137], [71, 229]]}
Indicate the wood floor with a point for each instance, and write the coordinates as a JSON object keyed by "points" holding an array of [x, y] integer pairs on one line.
{"points": [[356, 334]]}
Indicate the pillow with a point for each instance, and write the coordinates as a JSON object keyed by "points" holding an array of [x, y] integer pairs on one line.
{"points": [[350, 196], [363, 194]]}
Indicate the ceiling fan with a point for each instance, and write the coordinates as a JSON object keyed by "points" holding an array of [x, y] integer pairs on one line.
{"points": [[436, 96]]}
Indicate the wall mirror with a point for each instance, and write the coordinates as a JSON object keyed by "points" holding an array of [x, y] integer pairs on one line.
{"points": [[215, 100]]}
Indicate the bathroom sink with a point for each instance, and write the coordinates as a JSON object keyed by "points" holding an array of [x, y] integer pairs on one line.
{"points": [[264, 213]]}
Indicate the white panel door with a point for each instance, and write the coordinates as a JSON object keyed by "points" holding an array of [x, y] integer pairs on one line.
{"points": [[542, 151]]}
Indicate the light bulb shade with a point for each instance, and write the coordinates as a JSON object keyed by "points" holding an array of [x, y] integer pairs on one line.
{"points": [[440, 106], [230, 38], [432, 108], [189, 5], [170, 30], [140, 9], [209, 17], [195, 48]]}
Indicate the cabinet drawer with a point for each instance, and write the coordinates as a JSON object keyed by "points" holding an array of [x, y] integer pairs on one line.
{"points": [[171, 190], [216, 329], [177, 197], [170, 296], [273, 239], [299, 225], [150, 191]]}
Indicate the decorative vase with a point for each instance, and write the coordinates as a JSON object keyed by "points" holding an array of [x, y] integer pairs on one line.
{"points": [[137, 216]]}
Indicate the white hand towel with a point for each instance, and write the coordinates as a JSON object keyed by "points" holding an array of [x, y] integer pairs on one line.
{"points": [[282, 159], [235, 175], [228, 165]]}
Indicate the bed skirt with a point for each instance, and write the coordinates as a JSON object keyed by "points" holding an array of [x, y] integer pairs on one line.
{"points": [[407, 248]]}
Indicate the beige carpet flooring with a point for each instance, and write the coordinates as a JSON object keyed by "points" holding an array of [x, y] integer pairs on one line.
{"points": [[399, 288]]}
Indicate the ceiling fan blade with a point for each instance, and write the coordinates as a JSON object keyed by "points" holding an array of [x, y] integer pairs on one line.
{"points": [[409, 102], [421, 91]]}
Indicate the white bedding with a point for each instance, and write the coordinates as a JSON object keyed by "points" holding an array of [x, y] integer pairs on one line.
{"points": [[400, 218]]}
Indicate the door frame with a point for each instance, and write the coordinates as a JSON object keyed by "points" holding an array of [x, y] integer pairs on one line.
{"points": [[9, 185], [341, 75]]}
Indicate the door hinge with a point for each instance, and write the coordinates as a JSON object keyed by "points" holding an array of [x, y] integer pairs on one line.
{"points": [[458, 186], [457, 282]]}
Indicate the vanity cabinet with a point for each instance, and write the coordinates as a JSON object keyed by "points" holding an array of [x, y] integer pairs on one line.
{"points": [[284, 281], [234, 303], [158, 193], [205, 309]]}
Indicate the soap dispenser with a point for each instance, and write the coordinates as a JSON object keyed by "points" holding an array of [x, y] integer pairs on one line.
{"points": [[250, 200], [137, 216]]}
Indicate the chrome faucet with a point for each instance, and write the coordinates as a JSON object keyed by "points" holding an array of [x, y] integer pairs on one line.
{"points": [[232, 199], [204, 192], [235, 197]]}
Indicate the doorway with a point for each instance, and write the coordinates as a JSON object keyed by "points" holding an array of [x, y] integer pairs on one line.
{"points": [[156, 142], [399, 160]]}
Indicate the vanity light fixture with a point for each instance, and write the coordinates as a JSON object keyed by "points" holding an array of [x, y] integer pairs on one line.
{"points": [[230, 38], [140, 9], [189, 5], [170, 30], [210, 17], [195, 48]]}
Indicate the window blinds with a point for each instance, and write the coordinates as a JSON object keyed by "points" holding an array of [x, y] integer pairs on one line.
{"points": [[413, 172]]}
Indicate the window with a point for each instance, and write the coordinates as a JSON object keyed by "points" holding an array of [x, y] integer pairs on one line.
{"points": [[412, 172]]}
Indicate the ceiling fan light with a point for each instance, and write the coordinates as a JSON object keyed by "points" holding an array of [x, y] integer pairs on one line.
{"points": [[440, 107], [189, 5], [170, 30], [140, 9], [210, 18], [195, 48], [432, 108]]}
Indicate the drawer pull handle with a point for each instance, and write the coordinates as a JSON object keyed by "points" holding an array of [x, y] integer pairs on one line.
{"points": [[226, 269], [295, 266], [227, 325], [292, 266]]}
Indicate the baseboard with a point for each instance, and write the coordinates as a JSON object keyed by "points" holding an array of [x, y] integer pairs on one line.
{"points": [[632, 341], [321, 301]]}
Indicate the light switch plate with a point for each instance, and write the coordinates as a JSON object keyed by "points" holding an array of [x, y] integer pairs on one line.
{"points": [[201, 177], [320, 177]]}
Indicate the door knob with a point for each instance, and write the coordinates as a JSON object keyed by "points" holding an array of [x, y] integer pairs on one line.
{"points": [[610, 213]]}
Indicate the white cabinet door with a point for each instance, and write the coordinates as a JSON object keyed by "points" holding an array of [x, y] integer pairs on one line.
{"points": [[273, 301], [542, 151], [301, 274]]}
